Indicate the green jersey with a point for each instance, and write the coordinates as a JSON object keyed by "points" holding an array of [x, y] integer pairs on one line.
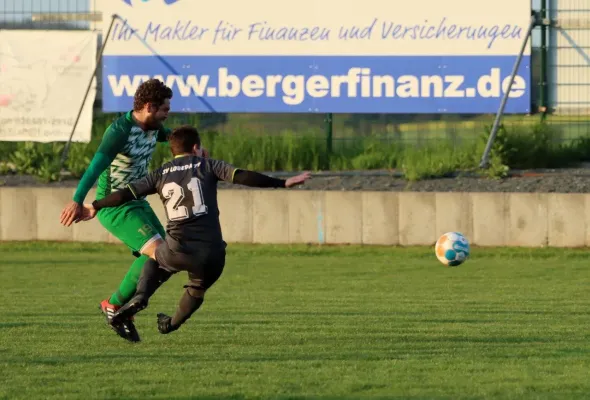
{"points": [[124, 155]]}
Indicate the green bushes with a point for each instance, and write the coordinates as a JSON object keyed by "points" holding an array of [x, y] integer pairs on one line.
{"points": [[541, 146]]}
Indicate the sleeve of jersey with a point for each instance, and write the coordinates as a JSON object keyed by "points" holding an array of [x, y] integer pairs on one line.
{"points": [[135, 190], [255, 179], [145, 186], [114, 199], [112, 143], [222, 170]]}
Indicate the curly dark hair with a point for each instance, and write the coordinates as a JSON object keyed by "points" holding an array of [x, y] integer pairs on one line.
{"points": [[183, 139], [151, 91]]}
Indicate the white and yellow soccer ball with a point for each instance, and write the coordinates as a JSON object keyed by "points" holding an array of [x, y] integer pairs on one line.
{"points": [[452, 249]]}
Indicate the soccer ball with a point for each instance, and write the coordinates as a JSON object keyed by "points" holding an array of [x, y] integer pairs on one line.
{"points": [[452, 249]]}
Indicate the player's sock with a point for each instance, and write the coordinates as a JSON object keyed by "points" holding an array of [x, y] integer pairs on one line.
{"points": [[127, 287], [151, 278], [190, 302]]}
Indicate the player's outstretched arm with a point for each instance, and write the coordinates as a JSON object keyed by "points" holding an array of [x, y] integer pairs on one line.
{"points": [[228, 173], [139, 188], [112, 143], [114, 199], [256, 179]]}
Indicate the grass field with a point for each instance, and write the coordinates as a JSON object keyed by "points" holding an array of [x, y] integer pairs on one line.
{"points": [[301, 323]]}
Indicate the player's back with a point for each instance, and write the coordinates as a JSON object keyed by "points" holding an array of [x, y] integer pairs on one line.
{"points": [[188, 189]]}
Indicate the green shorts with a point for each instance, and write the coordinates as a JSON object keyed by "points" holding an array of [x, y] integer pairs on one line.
{"points": [[134, 223]]}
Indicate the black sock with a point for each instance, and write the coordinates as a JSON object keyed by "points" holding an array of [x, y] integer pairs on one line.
{"points": [[151, 278], [187, 306]]}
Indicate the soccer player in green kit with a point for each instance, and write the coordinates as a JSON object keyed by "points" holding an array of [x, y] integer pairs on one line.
{"points": [[124, 156]]}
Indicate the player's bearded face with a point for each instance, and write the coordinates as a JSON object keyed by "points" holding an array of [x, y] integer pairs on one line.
{"points": [[158, 115]]}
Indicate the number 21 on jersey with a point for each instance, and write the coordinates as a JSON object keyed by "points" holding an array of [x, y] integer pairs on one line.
{"points": [[174, 193]]}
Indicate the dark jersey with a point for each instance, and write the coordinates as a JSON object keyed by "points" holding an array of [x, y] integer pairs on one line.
{"points": [[187, 187]]}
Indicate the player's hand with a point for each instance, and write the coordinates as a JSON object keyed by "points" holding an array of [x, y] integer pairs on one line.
{"points": [[71, 213], [88, 212], [297, 180], [205, 153]]}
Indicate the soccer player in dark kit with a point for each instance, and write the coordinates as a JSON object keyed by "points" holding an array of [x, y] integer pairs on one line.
{"points": [[187, 187]]}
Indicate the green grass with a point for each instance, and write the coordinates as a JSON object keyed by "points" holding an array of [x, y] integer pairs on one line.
{"points": [[303, 322]]}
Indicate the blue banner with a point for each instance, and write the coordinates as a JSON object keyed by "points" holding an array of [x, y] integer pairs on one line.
{"points": [[321, 84], [315, 84]]}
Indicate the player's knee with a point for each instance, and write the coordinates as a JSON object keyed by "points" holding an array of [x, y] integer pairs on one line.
{"points": [[196, 291], [149, 249]]}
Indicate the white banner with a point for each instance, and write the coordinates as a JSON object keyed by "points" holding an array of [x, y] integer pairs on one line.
{"points": [[319, 56], [316, 27], [43, 79]]}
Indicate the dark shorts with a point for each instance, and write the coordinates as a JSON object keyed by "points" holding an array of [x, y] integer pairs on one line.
{"points": [[204, 263]]}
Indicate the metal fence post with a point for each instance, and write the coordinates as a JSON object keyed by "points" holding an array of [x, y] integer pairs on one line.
{"points": [[329, 132], [544, 95], [486, 154], [64, 155]]}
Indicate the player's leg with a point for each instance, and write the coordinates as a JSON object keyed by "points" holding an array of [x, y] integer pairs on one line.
{"points": [[160, 266], [151, 278], [201, 277], [121, 320], [191, 300], [139, 230], [137, 227]]}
